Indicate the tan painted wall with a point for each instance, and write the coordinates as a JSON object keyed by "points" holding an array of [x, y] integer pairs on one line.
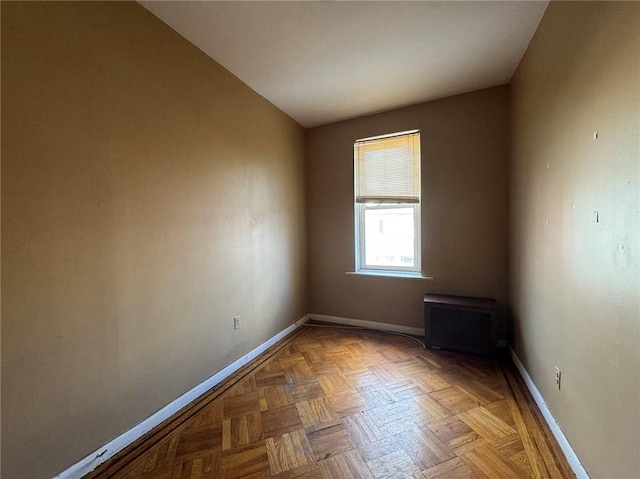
{"points": [[464, 210], [148, 196], [575, 284]]}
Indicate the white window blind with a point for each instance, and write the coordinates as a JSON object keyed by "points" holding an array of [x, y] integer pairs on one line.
{"points": [[388, 169]]}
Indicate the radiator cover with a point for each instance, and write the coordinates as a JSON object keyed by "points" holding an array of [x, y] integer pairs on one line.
{"points": [[461, 323]]}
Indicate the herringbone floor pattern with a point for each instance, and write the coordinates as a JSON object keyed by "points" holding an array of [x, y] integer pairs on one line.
{"points": [[342, 404]]}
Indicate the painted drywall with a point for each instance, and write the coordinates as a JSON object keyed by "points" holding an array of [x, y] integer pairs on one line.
{"points": [[575, 279], [464, 146], [148, 196]]}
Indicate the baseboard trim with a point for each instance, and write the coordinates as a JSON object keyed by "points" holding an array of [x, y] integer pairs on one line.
{"points": [[368, 324], [572, 457], [103, 454]]}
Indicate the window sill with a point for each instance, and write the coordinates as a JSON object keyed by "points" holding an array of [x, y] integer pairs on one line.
{"points": [[390, 274]]}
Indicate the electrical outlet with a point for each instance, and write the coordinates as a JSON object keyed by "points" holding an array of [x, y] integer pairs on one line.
{"points": [[236, 322], [557, 371]]}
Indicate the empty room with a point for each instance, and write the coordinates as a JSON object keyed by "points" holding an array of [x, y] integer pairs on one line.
{"points": [[309, 239]]}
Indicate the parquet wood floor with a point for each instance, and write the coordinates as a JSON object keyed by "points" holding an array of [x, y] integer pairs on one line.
{"points": [[331, 403]]}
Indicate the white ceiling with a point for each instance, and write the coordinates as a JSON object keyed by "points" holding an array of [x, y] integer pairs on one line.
{"points": [[322, 62]]}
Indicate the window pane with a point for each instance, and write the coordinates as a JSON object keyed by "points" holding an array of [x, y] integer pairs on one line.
{"points": [[389, 239]]}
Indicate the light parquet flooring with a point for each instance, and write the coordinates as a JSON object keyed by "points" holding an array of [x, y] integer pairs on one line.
{"points": [[332, 403]]}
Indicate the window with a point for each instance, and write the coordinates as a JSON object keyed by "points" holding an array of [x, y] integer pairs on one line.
{"points": [[387, 203]]}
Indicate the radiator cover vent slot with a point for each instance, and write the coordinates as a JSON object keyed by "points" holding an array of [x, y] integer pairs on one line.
{"points": [[463, 330]]}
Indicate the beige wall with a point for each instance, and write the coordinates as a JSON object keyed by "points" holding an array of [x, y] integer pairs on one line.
{"points": [[148, 196], [464, 208], [575, 284]]}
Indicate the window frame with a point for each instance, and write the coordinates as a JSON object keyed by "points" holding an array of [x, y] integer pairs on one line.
{"points": [[360, 209], [361, 264]]}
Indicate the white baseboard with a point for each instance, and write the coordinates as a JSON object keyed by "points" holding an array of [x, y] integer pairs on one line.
{"points": [[93, 460], [572, 458], [368, 324]]}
